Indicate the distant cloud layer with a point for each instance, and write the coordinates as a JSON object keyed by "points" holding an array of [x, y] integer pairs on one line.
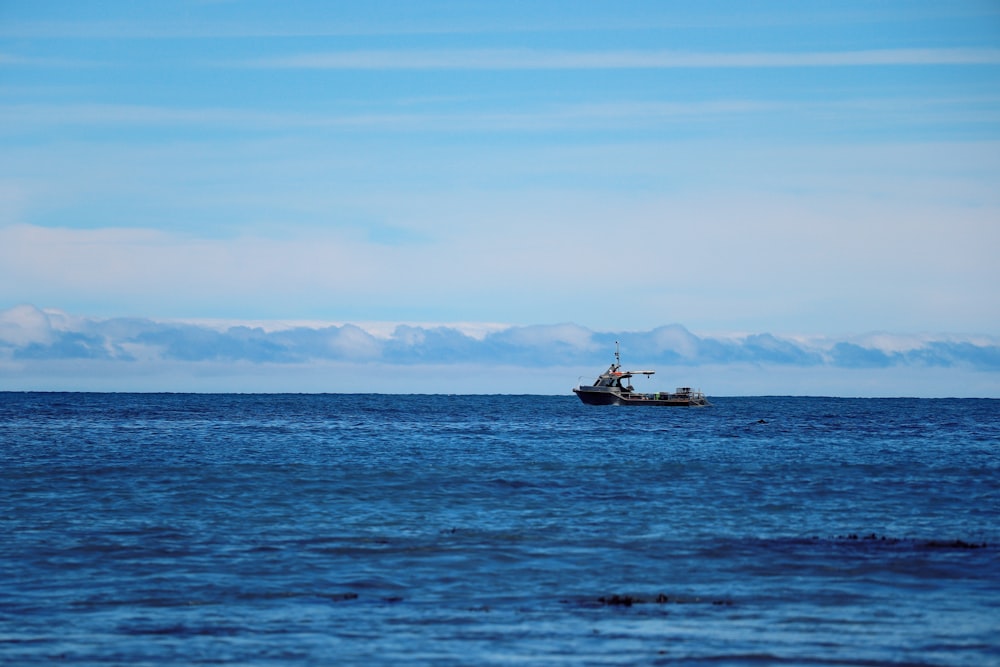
{"points": [[29, 333]]}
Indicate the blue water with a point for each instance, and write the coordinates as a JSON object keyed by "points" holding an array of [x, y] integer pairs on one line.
{"points": [[492, 530]]}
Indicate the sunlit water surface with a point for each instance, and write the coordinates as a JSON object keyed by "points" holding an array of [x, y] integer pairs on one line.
{"points": [[492, 530]]}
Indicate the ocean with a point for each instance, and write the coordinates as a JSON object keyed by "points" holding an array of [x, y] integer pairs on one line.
{"points": [[190, 529]]}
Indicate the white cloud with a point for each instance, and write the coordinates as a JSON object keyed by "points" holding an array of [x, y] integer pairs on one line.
{"points": [[570, 335], [352, 342], [678, 339], [25, 325]]}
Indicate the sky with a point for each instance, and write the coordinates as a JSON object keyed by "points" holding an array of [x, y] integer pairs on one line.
{"points": [[482, 197]]}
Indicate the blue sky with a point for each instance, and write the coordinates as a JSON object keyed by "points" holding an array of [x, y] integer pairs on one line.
{"points": [[807, 191]]}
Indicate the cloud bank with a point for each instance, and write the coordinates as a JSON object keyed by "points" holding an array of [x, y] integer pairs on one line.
{"points": [[33, 340]]}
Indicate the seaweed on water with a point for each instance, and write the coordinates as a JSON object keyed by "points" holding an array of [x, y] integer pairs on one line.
{"points": [[620, 600], [930, 544], [340, 597], [955, 544], [617, 600], [871, 537]]}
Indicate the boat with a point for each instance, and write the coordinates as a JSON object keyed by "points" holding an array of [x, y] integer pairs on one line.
{"points": [[612, 388]]}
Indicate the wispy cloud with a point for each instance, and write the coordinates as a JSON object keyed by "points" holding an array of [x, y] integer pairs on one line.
{"points": [[514, 59], [403, 117], [17, 60], [203, 20], [547, 117]]}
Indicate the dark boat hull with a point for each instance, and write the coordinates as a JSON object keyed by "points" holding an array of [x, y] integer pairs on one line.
{"points": [[615, 398]]}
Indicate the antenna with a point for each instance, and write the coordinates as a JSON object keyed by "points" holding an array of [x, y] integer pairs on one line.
{"points": [[618, 359]]}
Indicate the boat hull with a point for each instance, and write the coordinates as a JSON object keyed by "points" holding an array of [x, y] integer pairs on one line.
{"points": [[591, 397]]}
